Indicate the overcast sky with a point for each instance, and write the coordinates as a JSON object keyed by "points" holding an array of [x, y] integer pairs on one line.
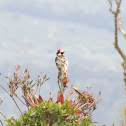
{"points": [[32, 30]]}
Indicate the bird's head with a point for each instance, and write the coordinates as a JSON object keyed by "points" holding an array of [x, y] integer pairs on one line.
{"points": [[60, 52]]}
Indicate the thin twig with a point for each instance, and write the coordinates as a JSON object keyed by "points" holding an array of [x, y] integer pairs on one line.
{"points": [[71, 91], [116, 1], [28, 101], [12, 98], [79, 93], [36, 90], [19, 99], [1, 122], [39, 89], [78, 101], [83, 117], [17, 105], [4, 89], [36, 99], [31, 99], [42, 84], [81, 106], [3, 115], [110, 1]]}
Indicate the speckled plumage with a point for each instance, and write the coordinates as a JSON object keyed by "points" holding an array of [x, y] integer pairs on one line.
{"points": [[61, 63]]}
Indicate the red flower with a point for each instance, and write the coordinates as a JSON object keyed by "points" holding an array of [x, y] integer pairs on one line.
{"points": [[78, 112], [40, 98], [60, 98]]}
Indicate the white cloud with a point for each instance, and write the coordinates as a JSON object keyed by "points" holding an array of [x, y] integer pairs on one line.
{"points": [[74, 11]]}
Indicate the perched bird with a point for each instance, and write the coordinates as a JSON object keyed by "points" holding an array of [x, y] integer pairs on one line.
{"points": [[62, 66]]}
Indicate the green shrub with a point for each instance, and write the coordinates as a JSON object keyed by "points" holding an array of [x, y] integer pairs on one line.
{"points": [[68, 112], [50, 114]]}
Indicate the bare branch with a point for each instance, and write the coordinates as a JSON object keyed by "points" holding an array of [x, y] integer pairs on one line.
{"points": [[1, 122], [17, 106], [116, 13], [119, 3], [4, 89], [120, 25], [116, 1], [12, 98], [79, 107], [3, 115], [71, 90], [116, 40], [82, 118], [110, 1], [116, 32], [19, 99]]}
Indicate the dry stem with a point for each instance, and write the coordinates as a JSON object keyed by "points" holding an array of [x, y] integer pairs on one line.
{"points": [[117, 19], [120, 25], [3, 115], [12, 98], [17, 106], [70, 93], [1, 122], [82, 118]]}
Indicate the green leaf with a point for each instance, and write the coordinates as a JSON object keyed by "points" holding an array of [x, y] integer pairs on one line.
{"points": [[31, 81], [32, 85]]}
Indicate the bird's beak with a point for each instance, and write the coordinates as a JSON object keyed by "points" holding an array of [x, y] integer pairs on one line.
{"points": [[63, 52], [59, 54]]}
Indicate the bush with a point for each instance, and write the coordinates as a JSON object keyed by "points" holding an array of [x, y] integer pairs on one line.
{"points": [[50, 114], [75, 112]]}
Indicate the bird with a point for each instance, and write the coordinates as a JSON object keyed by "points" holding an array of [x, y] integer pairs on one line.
{"points": [[62, 66]]}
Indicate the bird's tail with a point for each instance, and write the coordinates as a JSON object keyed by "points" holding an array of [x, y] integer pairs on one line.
{"points": [[63, 78]]}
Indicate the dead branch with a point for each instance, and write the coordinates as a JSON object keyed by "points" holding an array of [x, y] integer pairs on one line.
{"points": [[110, 2], [80, 106], [3, 115], [19, 99], [83, 117], [1, 122], [70, 93], [17, 106], [115, 13], [120, 25], [12, 98]]}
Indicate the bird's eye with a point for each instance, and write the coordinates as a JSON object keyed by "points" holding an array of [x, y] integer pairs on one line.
{"points": [[61, 52]]}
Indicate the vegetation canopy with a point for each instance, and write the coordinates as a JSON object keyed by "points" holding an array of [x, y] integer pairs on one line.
{"points": [[63, 111]]}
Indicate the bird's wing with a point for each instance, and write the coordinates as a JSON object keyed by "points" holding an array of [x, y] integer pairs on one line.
{"points": [[65, 63], [58, 63], [61, 63]]}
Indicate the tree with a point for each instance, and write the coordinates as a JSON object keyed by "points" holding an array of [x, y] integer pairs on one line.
{"points": [[118, 27]]}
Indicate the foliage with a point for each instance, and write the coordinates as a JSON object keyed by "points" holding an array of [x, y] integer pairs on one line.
{"points": [[50, 114], [75, 112]]}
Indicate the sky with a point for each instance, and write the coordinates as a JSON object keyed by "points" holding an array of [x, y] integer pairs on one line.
{"points": [[31, 32]]}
